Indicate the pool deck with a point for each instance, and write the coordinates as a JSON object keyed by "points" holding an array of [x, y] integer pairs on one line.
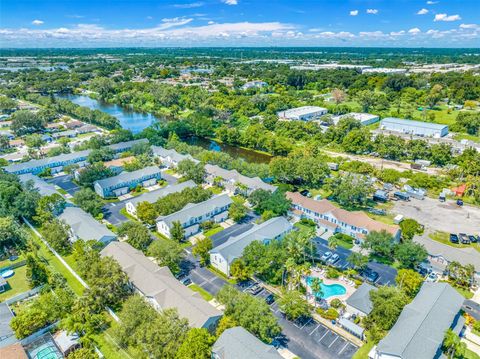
{"points": [[344, 282]]}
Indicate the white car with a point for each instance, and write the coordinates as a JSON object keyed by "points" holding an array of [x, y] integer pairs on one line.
{"points": [[325, 256], [432, 277], [333, 259]]}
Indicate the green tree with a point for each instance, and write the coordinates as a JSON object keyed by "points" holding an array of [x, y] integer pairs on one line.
{"points": [[358, 260], [92, 173], [381, 243], [28, 322], [197, 345], [316, 287], [461, 275], [333, 242], [410, 228], [351, 190], [177, 233], [7, 104], [83, 353], [275, 202], [48, 206], [387, 303], [34, 141], [239, 270], [192, 171], [25, 122], [137, 235], [225, 323], [237, 211], [11, 233], [452, 345], [56, 233], [167, 253], [36, 272], [293, 304], [410, 254], [409, 282], [201, 250], [89, 201], [146, 212]]}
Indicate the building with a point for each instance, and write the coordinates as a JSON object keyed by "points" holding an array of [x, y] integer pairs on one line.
{"points": [[419, 331], [383, 70], [13, 351], [170, 158], [238, 343], [43, 187], [222, 257], [304, 113], [416, 128], [126, 146], [87, 129], [160, 288], [154, 196], [365, 119], [234, 182], [7, 336], [68, 134], [359, 302], [55, 163], [337, 220], [124, 182], [254, 84], [84, 226], [66, 343], [193, 214]]}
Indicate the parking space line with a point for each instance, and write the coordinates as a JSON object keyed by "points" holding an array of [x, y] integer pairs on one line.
{"points": [[308, 322], [313, 331], [334, 340], [346, 345], [323, 336]]}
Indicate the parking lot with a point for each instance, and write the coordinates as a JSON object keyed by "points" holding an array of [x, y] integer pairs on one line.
{"points": [[64, 182], [111, 213], [440, 216], [307, 338]]}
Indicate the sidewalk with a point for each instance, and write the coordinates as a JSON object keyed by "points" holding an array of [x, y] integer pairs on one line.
{"points": [[471, 340]]}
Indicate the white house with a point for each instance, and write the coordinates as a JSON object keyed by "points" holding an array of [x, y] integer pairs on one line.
{"points": [[222, 257], [304, 113], [193, 214], [170, 158]]}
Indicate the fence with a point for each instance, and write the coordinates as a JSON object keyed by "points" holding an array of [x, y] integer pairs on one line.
{"points": [[14, 265], [24, 295]]}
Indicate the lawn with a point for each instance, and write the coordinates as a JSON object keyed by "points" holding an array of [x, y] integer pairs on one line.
{"points": [[7, 262], [213, 231], [161, 237], [471, 355], [216, 190], [444, 238], [62, 191], [362, 352], [16, 285], [124, 212], [345, 243], [221, 275], [205, 295]]}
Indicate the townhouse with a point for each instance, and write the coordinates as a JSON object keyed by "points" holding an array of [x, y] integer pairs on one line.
{"points": [[170, 158], [337, 220], [193, 214], [43, 187]]}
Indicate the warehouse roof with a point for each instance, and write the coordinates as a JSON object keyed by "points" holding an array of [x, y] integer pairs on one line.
{"points": [[403, 122], [159, 283], [300, 111], [153, 196], [126, 177], [420, 329]]}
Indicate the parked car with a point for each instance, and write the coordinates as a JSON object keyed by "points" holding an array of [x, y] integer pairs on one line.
{"points": [[255, 289], [473, 238], [432, 277], [464, 238], [453, 238], [370, 275], [333, 259], [459, 202], [325, 256], [186, 281], [306, 193], [269, 299]]}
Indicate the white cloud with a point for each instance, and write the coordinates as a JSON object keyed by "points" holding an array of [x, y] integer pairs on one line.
{"points": [[432, 2], [353, 12], [174, 22], [189, 5], [397, 33], [414, 31], [37, 22], [372, 11], [230, 2], [469, 26], [445, 17], [211, 22], [422, 11]]}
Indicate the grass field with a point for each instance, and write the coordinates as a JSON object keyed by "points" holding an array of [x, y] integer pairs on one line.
{"points": [[362, 352], [444, 238], [213, 231], [205, 295], [17, 284]]}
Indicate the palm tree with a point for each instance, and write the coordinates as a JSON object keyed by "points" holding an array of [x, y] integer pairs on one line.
{"points": [[358, 260], [316, 287], [453, 345], [333, 242]]}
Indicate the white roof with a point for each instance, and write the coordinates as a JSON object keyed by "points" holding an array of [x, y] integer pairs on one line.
{"points": [[301, 111], [359, 116]]}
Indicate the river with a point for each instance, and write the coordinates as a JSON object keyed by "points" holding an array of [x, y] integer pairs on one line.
{"points": [[137, 121]]}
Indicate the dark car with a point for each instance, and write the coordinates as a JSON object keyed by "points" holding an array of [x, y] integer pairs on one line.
{"points": [[464, 238], [453, 238], [269, 299], [186, 281], [370, 275], [459, 202], [473, 239]]}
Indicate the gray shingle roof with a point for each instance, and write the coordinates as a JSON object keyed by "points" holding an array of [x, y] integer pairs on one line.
{"points": [[232, 175], [44, 188], [85, 226], [122, 146], [126, 177], [420, 329], [192, 210], [159, 283], [46, 161], [238, 343], [174, 155], [153, 196], [234, 246], [7, 336], [361, 298]]}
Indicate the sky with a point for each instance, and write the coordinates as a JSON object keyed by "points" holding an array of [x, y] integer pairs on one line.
{"points": [[186, 23]]}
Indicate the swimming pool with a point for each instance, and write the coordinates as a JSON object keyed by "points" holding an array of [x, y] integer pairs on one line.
{"points": [[329, 290], [7, 273]]}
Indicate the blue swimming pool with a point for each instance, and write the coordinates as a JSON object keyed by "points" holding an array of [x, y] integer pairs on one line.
{"points": [[329, 290]]}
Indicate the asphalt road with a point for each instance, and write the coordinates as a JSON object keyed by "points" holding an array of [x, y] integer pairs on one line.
{"points": [[64, 182], [111, 212]]}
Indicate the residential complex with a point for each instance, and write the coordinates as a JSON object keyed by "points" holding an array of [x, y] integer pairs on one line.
{"points": [[365, 119], [193, 214], [84, 226], [170, 158], [416, 128], [419, 331], [160, 288], [359, 303], [304, 113], [126, 181], [155, 195], [234, 182], [237, 343], [43, 187], [222, 257], [337, 220]]}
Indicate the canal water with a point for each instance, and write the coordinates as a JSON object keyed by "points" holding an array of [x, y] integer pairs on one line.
{"points": [[137, 121]]}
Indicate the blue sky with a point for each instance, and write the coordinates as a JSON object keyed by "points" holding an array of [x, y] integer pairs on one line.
{"points": [[88, 23]]}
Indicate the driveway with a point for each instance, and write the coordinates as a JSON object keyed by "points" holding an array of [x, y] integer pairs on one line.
{"points": [[232, 231], [433, 214], [111, 213], [64, 182], [169, 178]]}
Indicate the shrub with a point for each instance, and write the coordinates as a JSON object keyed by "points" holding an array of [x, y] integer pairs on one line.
{"points": [[337, 303], [329, 314], [332, 273]]}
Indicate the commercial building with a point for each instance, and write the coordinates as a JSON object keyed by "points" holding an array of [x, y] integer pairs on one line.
{"points": [[234, 182], [238, 343], [359, 302], [170, 158], [44, 188], [126, 181], [419, 331], [415, 128], [154, 196], [193, 214], [160, 288], [365, 119], [337, 220], [304, 113], [84, 226], [222, 257]]}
